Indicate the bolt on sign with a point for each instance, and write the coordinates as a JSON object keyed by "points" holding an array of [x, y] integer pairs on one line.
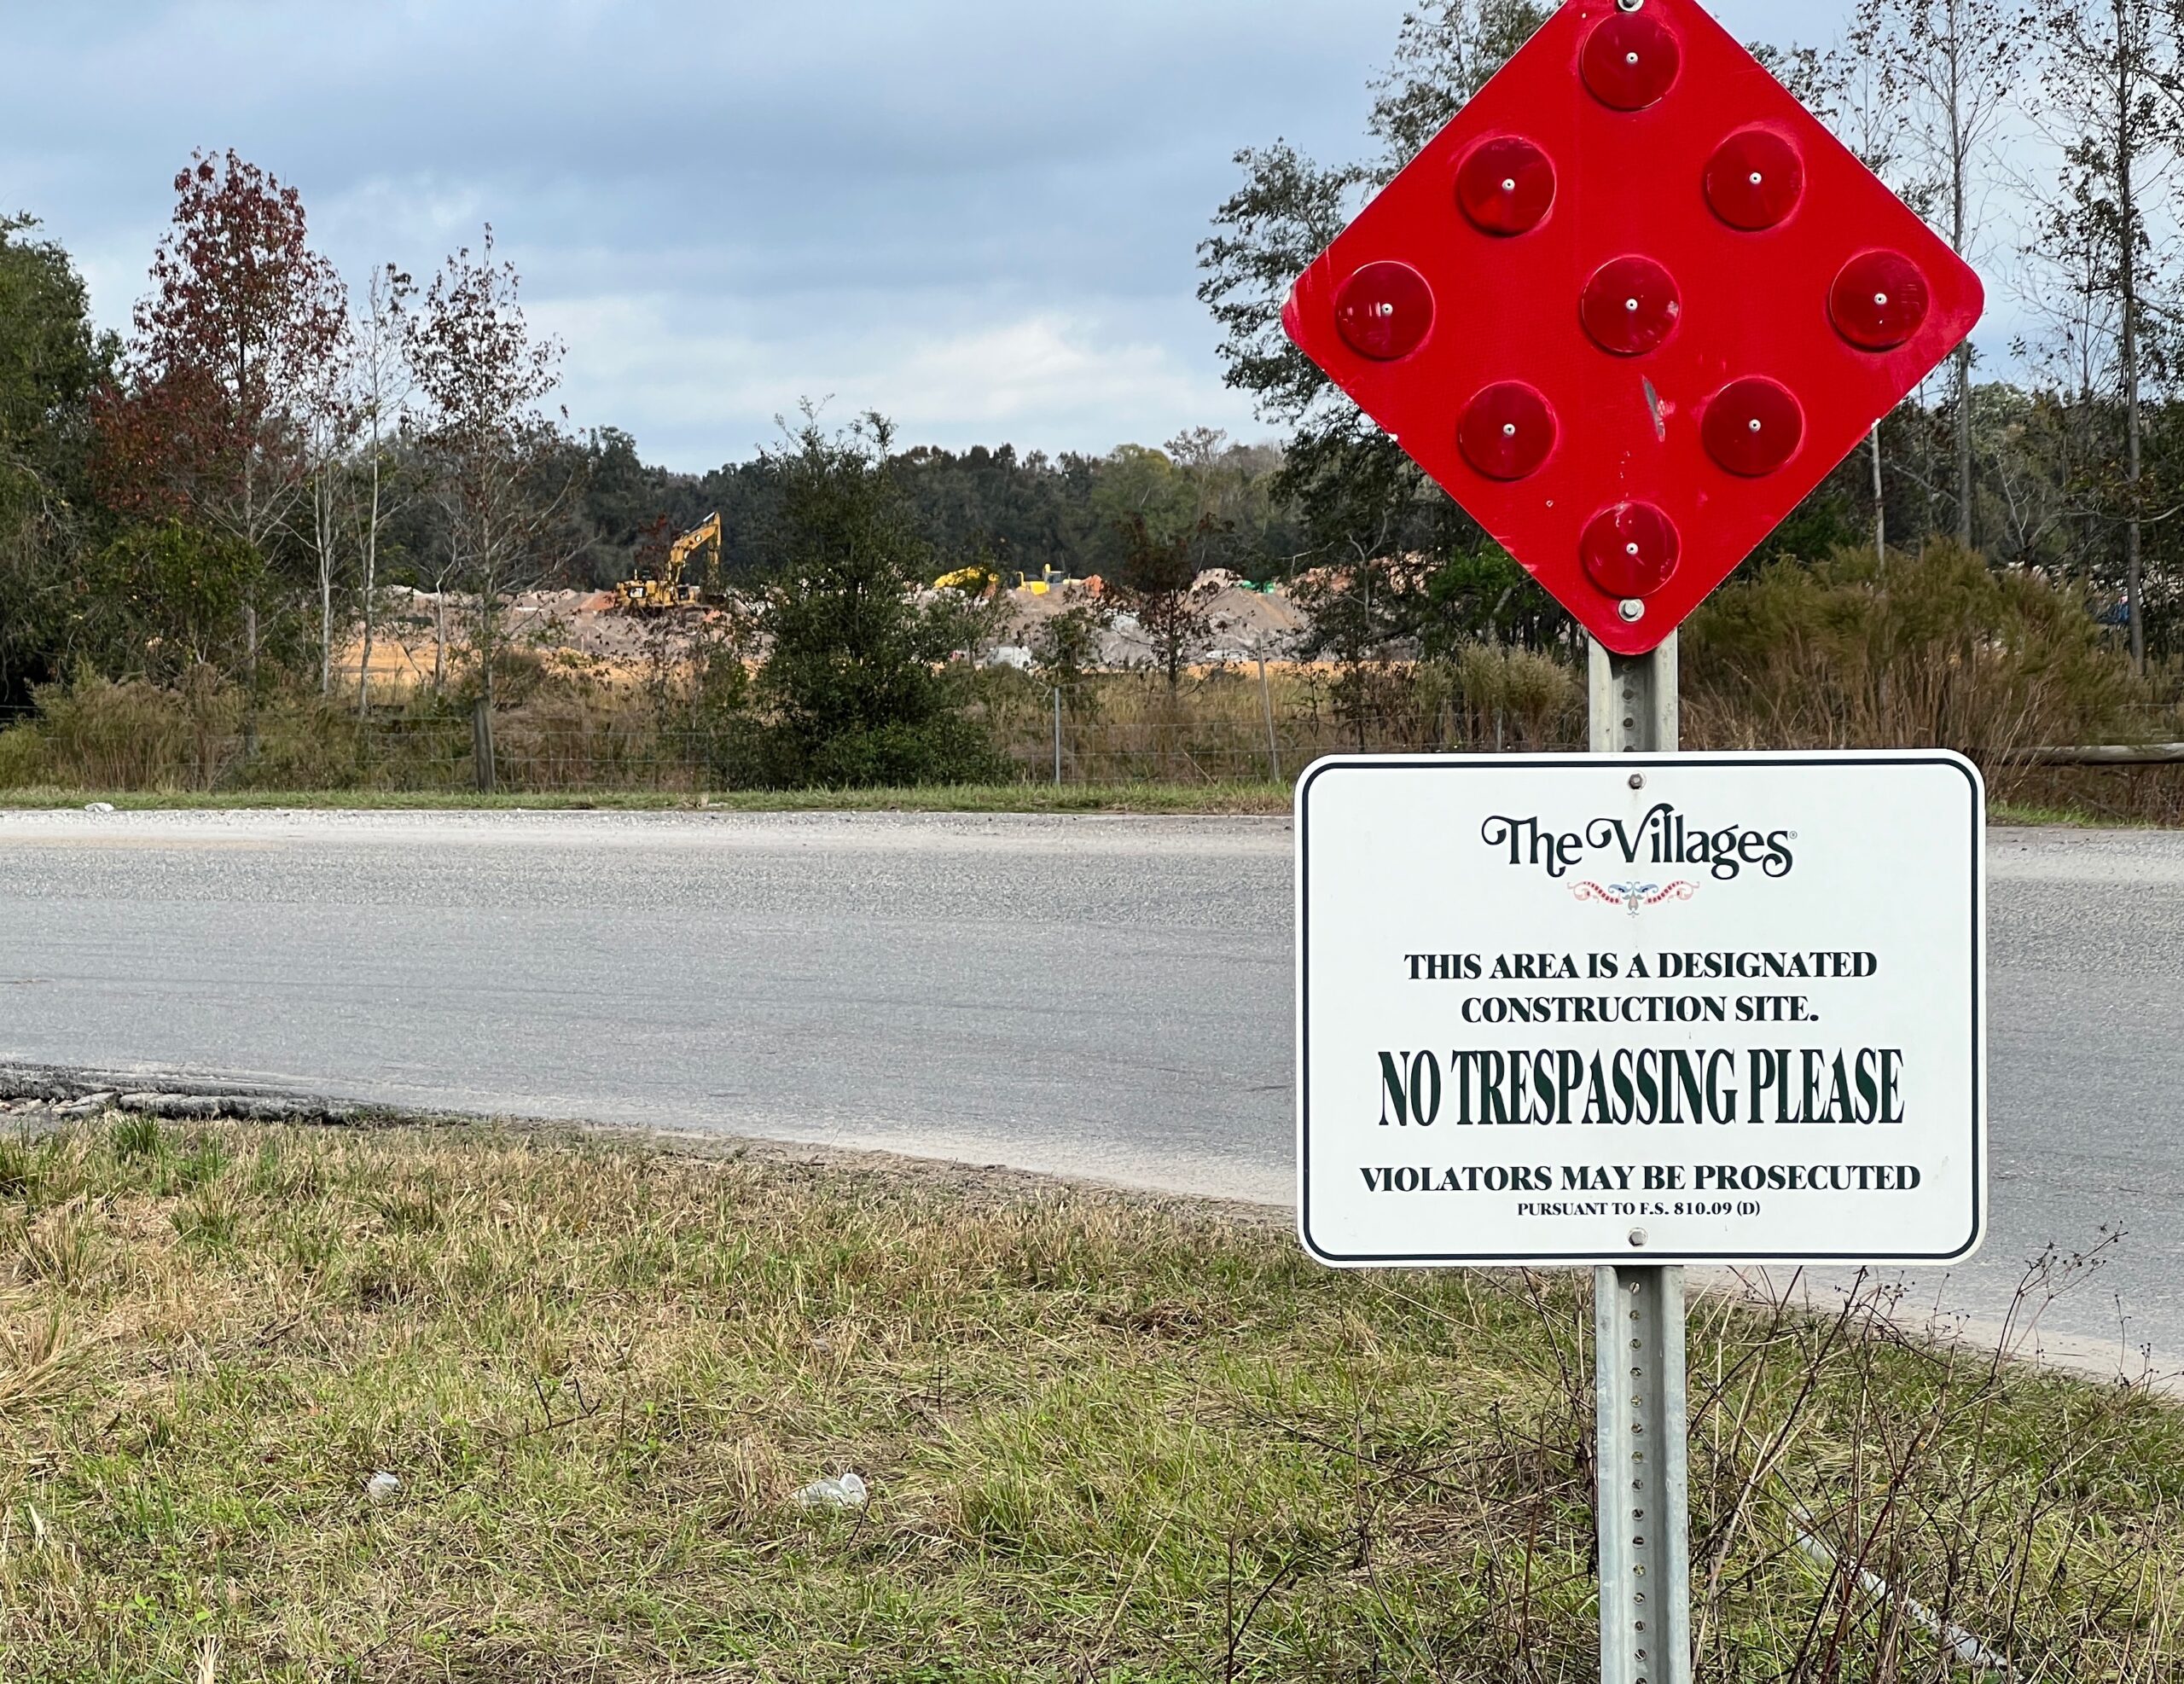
{"points": [[1631, 307], [1696, 1008]]}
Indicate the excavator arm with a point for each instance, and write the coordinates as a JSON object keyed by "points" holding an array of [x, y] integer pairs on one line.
{"points": [[668, 591]]}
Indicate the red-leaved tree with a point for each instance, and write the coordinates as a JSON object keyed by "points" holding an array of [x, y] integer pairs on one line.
{"points": [[211, 417]]}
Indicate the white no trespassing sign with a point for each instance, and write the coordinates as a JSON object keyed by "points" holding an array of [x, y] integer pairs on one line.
{"points": [[1690, 1008]]}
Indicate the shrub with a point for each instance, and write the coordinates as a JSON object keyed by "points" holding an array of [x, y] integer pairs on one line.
{"points": [[95, 733], [1939, 650], [852, 691], [167, 600]]}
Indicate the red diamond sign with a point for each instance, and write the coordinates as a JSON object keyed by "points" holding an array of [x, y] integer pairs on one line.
{"points": [[1631, 307]]}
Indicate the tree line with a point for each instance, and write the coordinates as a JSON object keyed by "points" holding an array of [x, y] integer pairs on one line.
{"points": [[218, 494], [225, 492]]}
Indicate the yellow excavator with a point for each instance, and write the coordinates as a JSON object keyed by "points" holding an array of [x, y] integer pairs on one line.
{"points": [[646, 596]]}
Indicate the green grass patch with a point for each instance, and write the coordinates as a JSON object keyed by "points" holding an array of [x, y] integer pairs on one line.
{"points": [[1105, 1438], [2076, 818], [1149, 798], [1183, 799]]}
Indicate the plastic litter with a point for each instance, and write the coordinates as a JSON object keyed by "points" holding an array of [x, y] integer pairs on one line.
{"points": [[847, 1492], [98, 806], [381, 1486], [1962, 1646]]}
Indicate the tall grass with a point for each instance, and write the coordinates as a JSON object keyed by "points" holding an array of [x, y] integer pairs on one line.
{"points": [[1226, 723], [1937, 650], [96, 734]]}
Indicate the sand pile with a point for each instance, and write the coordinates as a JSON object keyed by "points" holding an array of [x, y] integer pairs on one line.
{"points": [[582, 627], [1245, 623], [588, 634]]}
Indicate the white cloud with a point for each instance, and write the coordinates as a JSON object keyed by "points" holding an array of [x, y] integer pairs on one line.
{"points": [[1048, 379], [975, 216]]}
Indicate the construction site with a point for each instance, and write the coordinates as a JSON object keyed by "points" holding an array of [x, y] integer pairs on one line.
{"points": [[651, 621]]}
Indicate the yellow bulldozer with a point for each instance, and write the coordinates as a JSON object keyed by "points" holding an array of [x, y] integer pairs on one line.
{"points": [[656, 596], [977, 580], [1044, 580]]}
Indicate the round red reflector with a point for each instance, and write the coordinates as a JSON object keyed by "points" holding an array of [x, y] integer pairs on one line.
{"points": [[1755, 179], [1507, 431], [1506, 185], [1878, 300], [1630, 59], [1630, 551], [1630, 306], [1384, 310], [1752, 426]]}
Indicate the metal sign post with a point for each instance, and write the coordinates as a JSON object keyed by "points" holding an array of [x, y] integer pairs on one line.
{"points": [[1634, 1011], [1643, 1505], [1628, 309]]}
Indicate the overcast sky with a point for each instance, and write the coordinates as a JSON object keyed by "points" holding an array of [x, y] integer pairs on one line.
{"points": [[976, 217]]}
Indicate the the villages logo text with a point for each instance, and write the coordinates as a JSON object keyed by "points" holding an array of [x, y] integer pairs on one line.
{"points": [[1663, 837]]}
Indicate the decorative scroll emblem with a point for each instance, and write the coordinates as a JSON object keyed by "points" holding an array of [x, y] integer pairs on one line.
{"points": [[1634, 897]]}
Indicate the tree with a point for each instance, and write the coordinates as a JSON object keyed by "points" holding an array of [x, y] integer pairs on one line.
{"points": [[164, 602], [1844, 88], [1948, 70], [210, 422], [382, 384], [1353, 486], [1156, 582], [856, 683], [1357, 615], [2110, 99], [331, 420], [496, 457], [1069, 648], [1137, 483], [973, 611], [51, 364], [242, 317]]}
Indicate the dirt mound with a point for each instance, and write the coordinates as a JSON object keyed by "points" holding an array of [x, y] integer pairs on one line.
{"points": [[587, 632], [584, 629]]}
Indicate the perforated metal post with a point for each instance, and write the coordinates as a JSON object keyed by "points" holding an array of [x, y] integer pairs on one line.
{"points": [[1633, 702], [1644, 1500]]}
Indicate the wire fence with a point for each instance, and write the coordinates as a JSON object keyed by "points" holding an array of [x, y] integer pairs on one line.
{"points": [[447, 755], [1271, 749], [1228, 736]]}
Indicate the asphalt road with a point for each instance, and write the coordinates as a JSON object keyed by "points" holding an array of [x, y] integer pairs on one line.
{"points": [[1107, 997]]}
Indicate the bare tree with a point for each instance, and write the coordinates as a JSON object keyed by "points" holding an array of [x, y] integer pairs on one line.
{"points": [[1947, 73], [1845, 88], [496, 457], [328, 422], [382, 387], [2110, 99]]}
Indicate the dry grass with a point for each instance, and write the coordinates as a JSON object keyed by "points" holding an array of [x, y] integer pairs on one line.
{"points": [[1105, 1438], [1936, 650], [1124, 727]]}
